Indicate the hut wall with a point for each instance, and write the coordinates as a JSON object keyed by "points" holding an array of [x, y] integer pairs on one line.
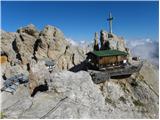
{"points": [[107, 60], [111, 59], [121, 58]]}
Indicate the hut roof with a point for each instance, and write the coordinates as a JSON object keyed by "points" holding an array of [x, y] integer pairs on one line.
{"points": [[107, 53]]}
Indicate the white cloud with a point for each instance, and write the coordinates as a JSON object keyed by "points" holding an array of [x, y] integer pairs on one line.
{"points": [[146, 49], [74, 43], [149, 40], [82, 42]]}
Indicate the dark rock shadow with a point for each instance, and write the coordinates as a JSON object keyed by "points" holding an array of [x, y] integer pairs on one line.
{"points": [[41, 88], [120, 76], [4, 77], [82, 66], [85, 66], [15, 48], [38, 43]]}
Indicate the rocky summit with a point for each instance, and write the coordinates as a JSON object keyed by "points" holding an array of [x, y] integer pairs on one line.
{"points": [[61, 93], [29, 44]]}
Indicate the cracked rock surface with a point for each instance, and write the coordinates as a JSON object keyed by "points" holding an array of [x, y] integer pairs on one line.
{"points": [[69, 94], [29, 44], [74, 95]]}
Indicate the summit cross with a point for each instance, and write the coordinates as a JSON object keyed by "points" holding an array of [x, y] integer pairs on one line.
{"points": [[110, 22]]}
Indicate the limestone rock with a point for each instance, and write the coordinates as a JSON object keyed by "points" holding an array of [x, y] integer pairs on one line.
{"points": [[133, 97], [150, 74], [28, 43], [30, 30], [112, 41], [74, 95], [6, 44], [96, 46]]}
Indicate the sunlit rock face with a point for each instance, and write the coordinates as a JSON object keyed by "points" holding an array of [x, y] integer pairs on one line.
{"points": [[69, 94], [74, 95], [29, 44], [114, 42]]}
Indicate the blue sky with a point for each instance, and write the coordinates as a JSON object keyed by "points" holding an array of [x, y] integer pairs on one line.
{"points": [[80, 20]]}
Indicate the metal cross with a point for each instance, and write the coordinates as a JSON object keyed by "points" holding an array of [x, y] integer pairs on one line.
{"points": [[110, 22]]}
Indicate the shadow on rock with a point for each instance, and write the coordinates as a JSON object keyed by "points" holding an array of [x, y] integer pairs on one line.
{"points": [[120, 76], [40, 88], [79, 67]]}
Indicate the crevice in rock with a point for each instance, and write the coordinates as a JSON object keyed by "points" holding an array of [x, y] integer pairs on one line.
{"points": [[35, 58], [54, 108], [18, 56], [48, 50], [28, 67], [4, 76], [40, 88], [21, 37], [67, 47], [15, 48], [73, 56], [54, 34], [37, 44]]}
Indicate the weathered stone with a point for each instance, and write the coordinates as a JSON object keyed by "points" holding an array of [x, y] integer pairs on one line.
{"points": [[111, 41], [74, 95], [28, 43], [30, 30], [71, 95]]}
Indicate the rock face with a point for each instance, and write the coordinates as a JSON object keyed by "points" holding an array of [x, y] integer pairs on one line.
{"points": [[111, 41], [71, 96], [29, 44], [74, 95], [64, 94], [96, 46]]}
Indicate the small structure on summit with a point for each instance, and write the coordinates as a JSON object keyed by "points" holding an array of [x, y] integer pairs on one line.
{"points": [[110, 57], [105, 55]]}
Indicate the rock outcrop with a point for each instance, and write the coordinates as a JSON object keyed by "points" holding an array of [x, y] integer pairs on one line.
{"points": [[29, 44], [96, 46], [74, 95], [112, 41], [64, 94]]}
